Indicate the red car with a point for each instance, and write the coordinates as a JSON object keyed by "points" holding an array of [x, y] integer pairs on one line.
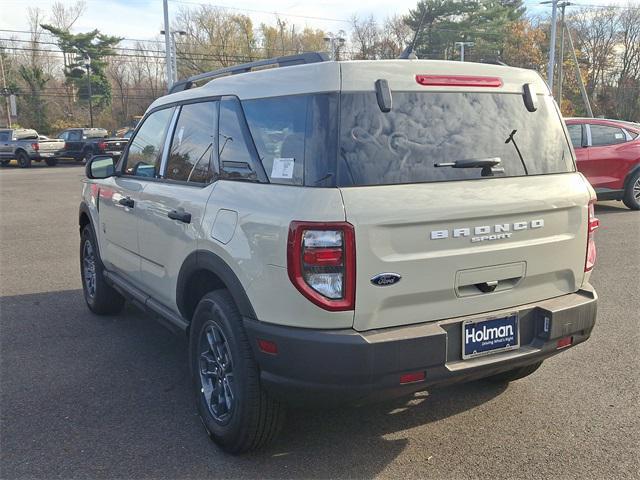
{"points": [[608, 154]]}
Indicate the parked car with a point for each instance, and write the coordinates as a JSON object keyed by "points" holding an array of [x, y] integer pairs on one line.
{"points": [[25, 145], [83, 143], [608, 154], [340, 232]]}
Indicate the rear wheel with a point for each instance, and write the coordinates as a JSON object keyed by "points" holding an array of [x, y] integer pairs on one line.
{"points": [[632, 193], [86, 156], [51, 162], [515, 374], [101, 298], [23, 160], [237, 412]]}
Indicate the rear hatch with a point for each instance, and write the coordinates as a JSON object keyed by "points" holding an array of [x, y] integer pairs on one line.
{"points": [[458, 241]]}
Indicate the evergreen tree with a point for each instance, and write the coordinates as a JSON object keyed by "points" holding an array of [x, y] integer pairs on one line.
{"points": [[75, 47]]}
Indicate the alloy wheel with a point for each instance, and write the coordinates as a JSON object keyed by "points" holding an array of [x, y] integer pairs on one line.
{"points": [[636, 189], [89, 268], [216, 373]]}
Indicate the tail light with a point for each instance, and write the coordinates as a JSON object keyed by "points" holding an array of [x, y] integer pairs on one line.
{"points": [[594, 223], [321, 263], [35, 146], [102, 146]]}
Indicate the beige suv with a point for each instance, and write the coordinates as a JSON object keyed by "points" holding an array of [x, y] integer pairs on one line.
{"points": [[345, 231]]}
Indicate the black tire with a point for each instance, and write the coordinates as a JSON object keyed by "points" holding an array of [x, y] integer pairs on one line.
{"points": [[51, 162], [86, 156], [101, 298], [5, 163], [249, 418], [632, 192], [515, 374], [24, 161]]}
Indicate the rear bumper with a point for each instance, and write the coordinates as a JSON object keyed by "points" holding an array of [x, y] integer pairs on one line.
{"points": [[337, 366]]}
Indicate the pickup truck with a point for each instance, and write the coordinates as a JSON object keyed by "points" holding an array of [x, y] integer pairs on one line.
{"points": [[25, 145], [83, 143]]}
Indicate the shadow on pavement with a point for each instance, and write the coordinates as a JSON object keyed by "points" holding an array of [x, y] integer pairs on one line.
{"points": [[88, 396], [34, 165]]}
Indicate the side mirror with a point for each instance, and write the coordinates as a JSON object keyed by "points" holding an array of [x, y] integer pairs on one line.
{"points": [[100, 166]]}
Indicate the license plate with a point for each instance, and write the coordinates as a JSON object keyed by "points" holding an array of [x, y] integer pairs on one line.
{"points": [[45, 154], [492, 335]]}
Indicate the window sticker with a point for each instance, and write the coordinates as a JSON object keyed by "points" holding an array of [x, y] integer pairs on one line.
{"points": [[619, 136], [282, 168]]}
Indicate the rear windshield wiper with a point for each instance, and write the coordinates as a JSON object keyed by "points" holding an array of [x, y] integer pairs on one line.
{"points": [[489, 166]]}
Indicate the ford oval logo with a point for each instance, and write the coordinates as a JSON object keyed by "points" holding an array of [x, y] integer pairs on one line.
{"points": [[385, 279]]}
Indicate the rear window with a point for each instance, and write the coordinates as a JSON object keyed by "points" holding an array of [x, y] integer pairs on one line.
{"points": [[425, 129]]}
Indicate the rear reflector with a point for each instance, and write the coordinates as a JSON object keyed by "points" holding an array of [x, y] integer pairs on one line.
{"points": [[458, 81], [413, 377], [267, 346], [564, 342]]}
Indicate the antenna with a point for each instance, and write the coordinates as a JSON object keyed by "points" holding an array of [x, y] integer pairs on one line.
{"points": [[408, 52]]}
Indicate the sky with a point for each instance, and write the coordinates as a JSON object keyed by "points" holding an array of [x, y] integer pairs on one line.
{"points": [[142, 19]]}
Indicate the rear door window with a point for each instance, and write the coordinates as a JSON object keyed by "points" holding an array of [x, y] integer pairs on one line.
{"points": [[4, 136], [74, 135], [193, 146], [425, 130], [575, 133], [604, 135], [237, 154]]}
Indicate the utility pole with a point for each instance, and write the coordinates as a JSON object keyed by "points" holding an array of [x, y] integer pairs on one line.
{"points": [[5, 92], [87, 64], [167, 46], [562, 6], [174, 53], [334, 43], [583, 92], [462, 45], [552, 46]]}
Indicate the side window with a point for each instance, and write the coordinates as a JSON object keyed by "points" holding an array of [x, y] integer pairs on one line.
{"points": [[145, 149], [575, 133], [278, 127], [4, 136], [604, 135], [74, 135], [64, 135], [235, 148], [194, 143]]}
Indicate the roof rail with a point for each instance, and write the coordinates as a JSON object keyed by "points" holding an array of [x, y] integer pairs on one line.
{"points": [[287, 61]]}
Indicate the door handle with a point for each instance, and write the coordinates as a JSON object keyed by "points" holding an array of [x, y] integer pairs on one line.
{"points": [[180, 215], [126, 202]]}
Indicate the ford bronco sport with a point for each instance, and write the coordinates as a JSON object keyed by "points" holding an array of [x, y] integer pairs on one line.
{"points": [[345, 232]]}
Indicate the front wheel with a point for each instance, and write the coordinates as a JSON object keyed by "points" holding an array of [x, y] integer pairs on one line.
{"points": [[237, 412], [101, 298], [515, 374], [632, 192], [24, 161]]}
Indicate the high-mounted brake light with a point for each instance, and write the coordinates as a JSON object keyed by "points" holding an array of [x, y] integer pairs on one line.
{"points": [[594, 223], [321, 263], [458, 81]]}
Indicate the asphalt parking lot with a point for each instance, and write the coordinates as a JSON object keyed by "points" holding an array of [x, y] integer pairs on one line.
{"points": [[93, 397]]}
